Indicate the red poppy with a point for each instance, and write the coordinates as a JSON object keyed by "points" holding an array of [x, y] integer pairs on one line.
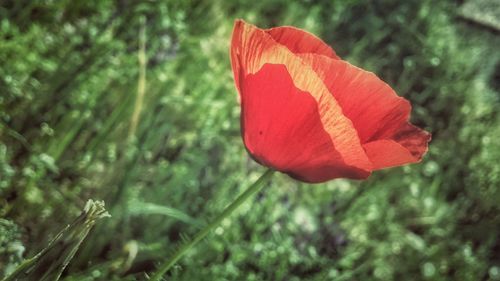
{"points": [[307, 113]]}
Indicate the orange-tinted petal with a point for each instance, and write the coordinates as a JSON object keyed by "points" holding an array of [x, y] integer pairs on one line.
{"points": [[378, 114], [282, 128], [252, 47], [408, 145], [299, 41], [387, 153], [367, 101]]}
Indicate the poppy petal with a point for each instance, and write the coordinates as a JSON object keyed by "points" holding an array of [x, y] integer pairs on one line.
{"points": [[373, 107], [408, 145], [252, 48], [299, 41], [379, 115], [387, 153], [282, 128]]}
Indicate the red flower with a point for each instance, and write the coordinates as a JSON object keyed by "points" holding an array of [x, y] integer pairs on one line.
{"points": [[307, 113]]}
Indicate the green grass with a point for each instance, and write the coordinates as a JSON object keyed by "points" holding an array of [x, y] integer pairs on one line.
{"points": [[69, 79]]}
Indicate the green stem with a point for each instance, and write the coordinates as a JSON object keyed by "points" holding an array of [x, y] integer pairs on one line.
{"points": [[254, 188]]}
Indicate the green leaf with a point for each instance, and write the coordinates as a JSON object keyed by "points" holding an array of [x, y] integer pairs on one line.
{"points": [[145, 208]]}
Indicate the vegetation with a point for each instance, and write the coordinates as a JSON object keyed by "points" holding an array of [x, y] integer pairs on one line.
{"points": [[76, 124]]}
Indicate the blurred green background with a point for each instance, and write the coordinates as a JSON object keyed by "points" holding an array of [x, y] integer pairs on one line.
{"points": [[70, 130]]}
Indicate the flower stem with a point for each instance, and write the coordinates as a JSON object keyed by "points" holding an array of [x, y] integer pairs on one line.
{"points": [[251, 190]]}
